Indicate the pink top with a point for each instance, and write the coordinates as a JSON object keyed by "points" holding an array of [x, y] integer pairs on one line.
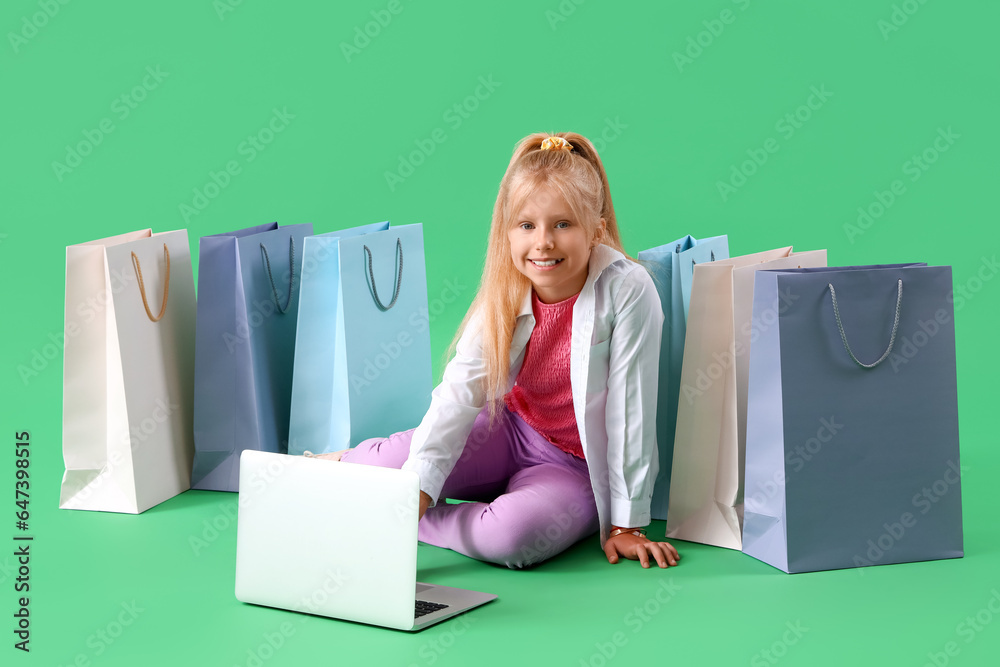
{"points": [[542, 395]]}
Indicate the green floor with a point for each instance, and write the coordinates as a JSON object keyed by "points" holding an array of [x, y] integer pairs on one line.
{"points": [[121, 115], [170, 576]]}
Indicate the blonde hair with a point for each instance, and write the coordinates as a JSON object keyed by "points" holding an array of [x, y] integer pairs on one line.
{"points": [[579, 176]]}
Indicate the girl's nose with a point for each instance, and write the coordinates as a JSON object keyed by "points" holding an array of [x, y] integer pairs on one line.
{"points": [[544, 238]]}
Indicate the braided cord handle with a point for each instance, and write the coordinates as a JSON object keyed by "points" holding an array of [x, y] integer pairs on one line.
{"points": [[693, 263], [291, 279], [399, 277], [843, 334], [142, 285]]}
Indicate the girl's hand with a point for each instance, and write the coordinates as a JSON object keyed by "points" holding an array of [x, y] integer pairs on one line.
{"points": [[425, 501], [330, 456], [638, 548]]}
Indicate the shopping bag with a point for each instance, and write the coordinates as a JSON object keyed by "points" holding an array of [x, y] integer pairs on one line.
{"points": [[706, 487], [672, 266], [362, 352], [127, 372], [852, 452], [248, 300]]}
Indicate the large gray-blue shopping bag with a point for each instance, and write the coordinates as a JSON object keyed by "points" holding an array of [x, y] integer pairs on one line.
{"points": [[672, 266], [248, 299], [363, 349], [852, 454]]}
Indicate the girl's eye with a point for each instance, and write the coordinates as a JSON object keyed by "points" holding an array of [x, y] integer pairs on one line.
{"points": [[562, 225], [526, 225]]}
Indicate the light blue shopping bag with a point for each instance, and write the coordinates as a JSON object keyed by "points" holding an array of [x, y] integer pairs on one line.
{"points": [[672, 266], [248, 297], [362, 353]]}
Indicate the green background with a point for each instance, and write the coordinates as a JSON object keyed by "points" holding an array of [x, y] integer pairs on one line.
{"points": [[671, 131]]}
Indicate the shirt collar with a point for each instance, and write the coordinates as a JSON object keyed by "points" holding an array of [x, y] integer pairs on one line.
{"points": [[601, 258], [526, 304]]}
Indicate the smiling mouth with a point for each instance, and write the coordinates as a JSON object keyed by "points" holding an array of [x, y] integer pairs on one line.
{"points": [[545, 263]]}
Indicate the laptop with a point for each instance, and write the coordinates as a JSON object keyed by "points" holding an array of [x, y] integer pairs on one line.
{"points": [[336, 539]]}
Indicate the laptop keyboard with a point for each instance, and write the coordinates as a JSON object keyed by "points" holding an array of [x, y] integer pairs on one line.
{"points": [[423, 608]]}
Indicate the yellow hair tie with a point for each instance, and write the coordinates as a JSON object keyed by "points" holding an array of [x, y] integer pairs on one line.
{"points": [[556, 144]]}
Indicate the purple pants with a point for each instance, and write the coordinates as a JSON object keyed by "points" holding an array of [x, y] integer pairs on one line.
{"points": [[534, 500]]}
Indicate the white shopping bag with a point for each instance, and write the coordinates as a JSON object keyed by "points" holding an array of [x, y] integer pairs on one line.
{"points": [[706, 480], [128, 372]]}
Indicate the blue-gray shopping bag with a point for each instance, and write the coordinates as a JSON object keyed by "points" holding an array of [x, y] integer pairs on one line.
{"points": [[248, 296], [852, 454], [363, 351], [672, 266]]}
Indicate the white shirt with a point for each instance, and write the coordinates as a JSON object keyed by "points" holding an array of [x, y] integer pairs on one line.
{"points": [[614, 362]]}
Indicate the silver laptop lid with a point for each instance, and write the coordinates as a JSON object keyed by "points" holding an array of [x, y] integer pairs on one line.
{"points": [[304, 538]]}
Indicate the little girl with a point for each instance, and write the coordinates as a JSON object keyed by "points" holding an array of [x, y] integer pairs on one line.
{"points": [[546, 414]]}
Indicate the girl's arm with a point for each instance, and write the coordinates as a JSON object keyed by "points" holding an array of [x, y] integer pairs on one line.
{"points": [[631, 419], [440, 438]]}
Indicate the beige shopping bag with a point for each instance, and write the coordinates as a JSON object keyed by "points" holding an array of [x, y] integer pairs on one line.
{"points": [[706, 481], [128, 372]]}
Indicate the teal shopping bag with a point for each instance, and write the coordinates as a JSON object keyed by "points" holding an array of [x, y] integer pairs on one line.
{"points": [[362, 353], [672, 267]]}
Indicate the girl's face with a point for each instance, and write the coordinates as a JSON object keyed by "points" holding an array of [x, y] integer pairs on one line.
{"points": [[550, 246]]}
